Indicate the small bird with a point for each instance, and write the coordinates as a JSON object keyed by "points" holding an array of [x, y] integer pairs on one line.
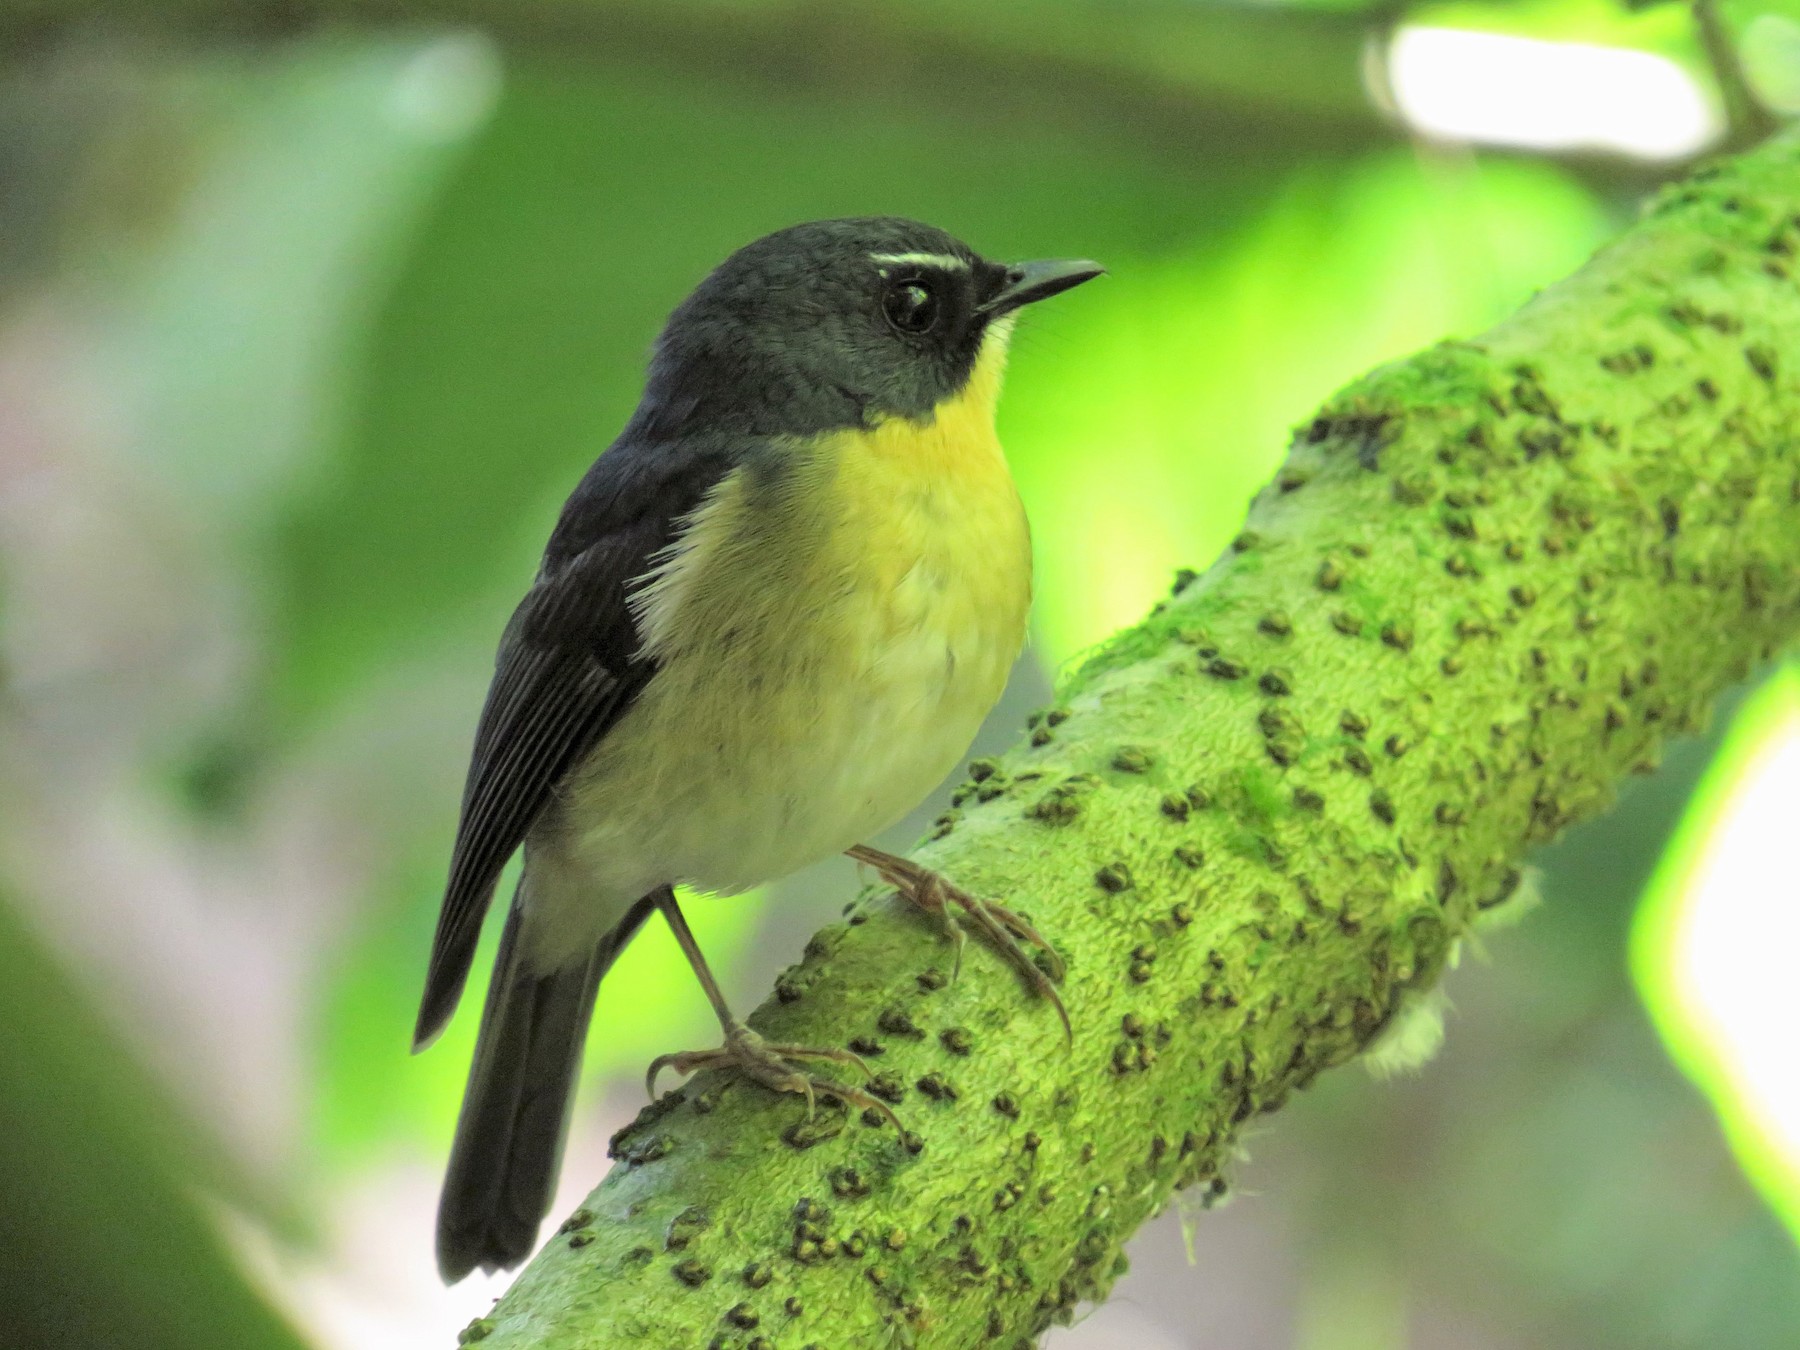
{"points": [[768, 622]]}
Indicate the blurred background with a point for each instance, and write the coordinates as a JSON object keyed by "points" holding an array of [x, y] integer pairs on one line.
{"points": [[310, 314]]}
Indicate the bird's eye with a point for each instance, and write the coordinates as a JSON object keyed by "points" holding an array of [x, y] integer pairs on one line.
{"points": [[912, 307]]}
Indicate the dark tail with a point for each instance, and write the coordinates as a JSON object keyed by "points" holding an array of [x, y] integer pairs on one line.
{"points": [[515, 1112]]}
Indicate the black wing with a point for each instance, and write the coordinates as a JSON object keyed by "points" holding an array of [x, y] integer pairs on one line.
{"points": [[568, 668]]}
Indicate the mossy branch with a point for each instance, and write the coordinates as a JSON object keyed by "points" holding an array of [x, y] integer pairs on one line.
{"points": [[1487, 584]]}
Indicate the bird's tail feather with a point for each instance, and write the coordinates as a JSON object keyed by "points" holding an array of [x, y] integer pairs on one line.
{"points": [[515, 1111]]}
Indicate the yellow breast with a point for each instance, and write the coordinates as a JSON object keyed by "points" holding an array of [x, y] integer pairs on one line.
{"points": [[906, 523], [827, 649], [932, 519]]}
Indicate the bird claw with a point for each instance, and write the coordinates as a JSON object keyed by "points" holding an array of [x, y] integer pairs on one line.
{"points": [[747, 1053], [1005, 929]]}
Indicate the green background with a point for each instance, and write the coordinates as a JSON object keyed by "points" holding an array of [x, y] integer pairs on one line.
{"points": [[307, 323]]}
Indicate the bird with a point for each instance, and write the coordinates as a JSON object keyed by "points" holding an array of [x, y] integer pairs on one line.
{"points": [[768, 621]]}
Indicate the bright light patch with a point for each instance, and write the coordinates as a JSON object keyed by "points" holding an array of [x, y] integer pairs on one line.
{"points": [[1460, 85], [1771, 50], [447, 89], [1717, 940]]}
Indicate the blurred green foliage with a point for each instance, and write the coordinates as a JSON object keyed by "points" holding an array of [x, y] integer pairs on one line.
{"points": [[370, 302], [103, 1241]]}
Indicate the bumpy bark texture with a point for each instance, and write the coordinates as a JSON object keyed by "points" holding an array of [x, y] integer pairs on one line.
{"points": [[1487, 584]]}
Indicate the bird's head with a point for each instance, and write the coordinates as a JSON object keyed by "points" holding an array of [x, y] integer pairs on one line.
{"points": [[837, 324]]}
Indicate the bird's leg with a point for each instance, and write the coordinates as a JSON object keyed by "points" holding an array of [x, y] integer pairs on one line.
{"points": [[748, 1053], [933, 892]]}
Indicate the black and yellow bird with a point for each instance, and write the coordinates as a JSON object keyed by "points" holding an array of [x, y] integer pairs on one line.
{"points": [[768, 622]]}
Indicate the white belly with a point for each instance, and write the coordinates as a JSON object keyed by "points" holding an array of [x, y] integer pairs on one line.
{"points": [[816, 768]]}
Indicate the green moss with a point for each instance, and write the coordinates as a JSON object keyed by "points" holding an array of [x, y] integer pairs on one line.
{"points": [[1526, 622]]}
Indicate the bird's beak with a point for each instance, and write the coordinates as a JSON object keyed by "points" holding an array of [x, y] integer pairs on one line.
{"points": [[1032, 281]]}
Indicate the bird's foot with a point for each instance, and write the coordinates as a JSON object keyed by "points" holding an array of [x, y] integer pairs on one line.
{"points": [[936, 894], [773, 1066]]}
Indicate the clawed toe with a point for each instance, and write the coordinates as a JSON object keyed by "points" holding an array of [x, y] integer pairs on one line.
{"points": [[1005, 929], [1025, 933], [684, 1063], [747, 1053], [1012, 935]]}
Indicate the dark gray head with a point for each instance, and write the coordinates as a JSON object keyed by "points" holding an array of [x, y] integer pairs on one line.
{"points": [[831, 324]]}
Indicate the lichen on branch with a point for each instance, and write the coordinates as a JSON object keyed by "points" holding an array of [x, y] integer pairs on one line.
{"points": [[1487, 583]]}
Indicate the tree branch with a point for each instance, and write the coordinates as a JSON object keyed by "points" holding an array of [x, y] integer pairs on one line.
{"points": [[1486, 585], [1168, 73], [1747, 121]]}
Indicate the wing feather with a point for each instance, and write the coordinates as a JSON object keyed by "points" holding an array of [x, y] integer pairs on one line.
{"points": [[569, 665]]}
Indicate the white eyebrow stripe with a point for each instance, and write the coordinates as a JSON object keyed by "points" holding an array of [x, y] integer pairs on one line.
{"points": [[945, 260]]}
